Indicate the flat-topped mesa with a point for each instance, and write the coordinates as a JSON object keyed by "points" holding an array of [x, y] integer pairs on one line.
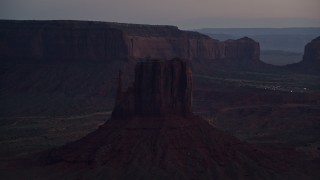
{"points": [[243, 49], [60, 41], [104, 41], [161, 88], [312, 52]]}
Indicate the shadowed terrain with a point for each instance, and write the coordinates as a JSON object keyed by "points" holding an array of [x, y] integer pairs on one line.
{"points": [[46, 104]]}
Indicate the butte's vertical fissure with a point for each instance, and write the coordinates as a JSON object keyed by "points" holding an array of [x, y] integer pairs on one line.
{"points": [[161, 88]]}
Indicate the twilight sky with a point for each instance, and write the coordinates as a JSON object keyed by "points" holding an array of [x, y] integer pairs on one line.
{"points": [[187, 14]]}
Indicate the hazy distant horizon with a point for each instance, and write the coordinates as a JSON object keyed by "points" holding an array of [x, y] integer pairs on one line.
{"points": [[203, 24], [185, 14]]}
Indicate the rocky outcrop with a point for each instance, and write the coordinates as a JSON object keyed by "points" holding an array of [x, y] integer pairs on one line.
{"points": [[102, 41], [311, 59], [312, 52], [186, 45], [149, 137], [161, 88], [243, 49]]}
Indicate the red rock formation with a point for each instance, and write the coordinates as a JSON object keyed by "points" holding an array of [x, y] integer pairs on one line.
{"points": [[99, 41], [148, 145], [243, 49], [161, 88], [312, 52], [185, 45], [311, 59]]}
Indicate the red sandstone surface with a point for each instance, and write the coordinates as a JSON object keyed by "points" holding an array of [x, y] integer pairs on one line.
{"points": [[160, 88], [163, 144], [101, 41], [145, 147]]}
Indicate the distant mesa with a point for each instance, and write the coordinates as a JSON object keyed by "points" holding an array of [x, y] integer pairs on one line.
{"points": [[311, 59], [312, 52], [153, 135], [243, 49], [104, 41]]}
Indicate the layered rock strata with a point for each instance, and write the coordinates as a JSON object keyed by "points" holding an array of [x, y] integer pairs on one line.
{"points": [[242, 49], [161, 88], [102, 41]]}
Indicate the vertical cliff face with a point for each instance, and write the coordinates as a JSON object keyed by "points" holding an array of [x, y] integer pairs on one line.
{"points": [[60, 41], [160, 88], [311, 59], [205, 49], [312, 52], [157, 47], [243, 49], [182, 44], [101, 41]]}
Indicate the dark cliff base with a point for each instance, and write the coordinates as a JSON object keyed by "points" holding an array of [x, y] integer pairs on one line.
{"points": [[158, 148], [171, 148]]}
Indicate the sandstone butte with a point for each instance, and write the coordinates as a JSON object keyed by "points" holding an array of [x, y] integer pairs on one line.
{"points": [[104, 41], [153, 134], [311, 58], [312, 52]]}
